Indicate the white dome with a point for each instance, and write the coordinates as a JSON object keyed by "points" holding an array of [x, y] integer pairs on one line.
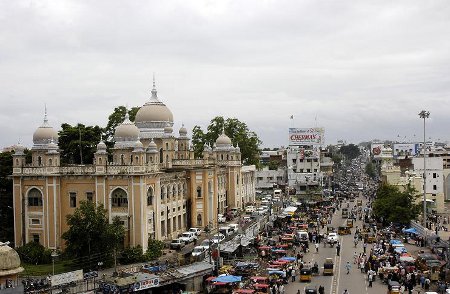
{"points": [[182, 131], [223, 141], [45, 133], [126, 131], [9, 261], [101, 145], [152, 147], [154, 113]]}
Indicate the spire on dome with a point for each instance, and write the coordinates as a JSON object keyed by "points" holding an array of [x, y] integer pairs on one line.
{"points": [[154, 92]]}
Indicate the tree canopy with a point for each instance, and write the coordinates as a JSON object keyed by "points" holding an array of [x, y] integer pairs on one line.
{"points": [[238, 132], [370, 170], [393, 205], [69, 143], [90, 233], [6, 198], [350, 151]]}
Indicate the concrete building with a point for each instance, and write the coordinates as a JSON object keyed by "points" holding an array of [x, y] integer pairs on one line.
{"points": [[153, 183], [304, 172], [267, 179]]}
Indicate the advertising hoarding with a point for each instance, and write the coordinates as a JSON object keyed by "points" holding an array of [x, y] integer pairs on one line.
{"points": [[306, 136], [405, 149], [146, 284], [375, 149], [66, 278]]}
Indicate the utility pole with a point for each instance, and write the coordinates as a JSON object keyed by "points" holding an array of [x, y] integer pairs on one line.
{"points": [[424, 115]]}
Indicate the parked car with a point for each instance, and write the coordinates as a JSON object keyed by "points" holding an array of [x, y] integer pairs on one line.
{"points": [[250, 209], [262, 210], [217, 238], [221, 218], [197, 231], [198, 250], [205, 244], [177, 244], [188, 237]]}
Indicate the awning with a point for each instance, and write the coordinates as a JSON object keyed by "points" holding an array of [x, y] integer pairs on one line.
{"points": [[228, 279], [410, 231]]}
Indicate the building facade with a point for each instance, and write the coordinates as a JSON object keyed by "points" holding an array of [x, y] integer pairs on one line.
{"points": [[153, 183]]}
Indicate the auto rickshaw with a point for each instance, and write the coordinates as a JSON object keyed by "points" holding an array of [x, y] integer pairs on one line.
{"points": [[305, 275], [328, 267], [394, 287], [350, 223], [330, 229], [344, 212], [344, 230]]}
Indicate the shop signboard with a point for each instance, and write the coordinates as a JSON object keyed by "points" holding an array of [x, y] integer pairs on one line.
{"points": [[306, 136], [375, 149], [146, 284]]}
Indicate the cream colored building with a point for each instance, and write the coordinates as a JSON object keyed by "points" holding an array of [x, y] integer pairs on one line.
{"points": [[154, 183]]}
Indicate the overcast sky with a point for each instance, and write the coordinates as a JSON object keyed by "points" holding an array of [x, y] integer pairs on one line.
{"points": [[360, 69]]}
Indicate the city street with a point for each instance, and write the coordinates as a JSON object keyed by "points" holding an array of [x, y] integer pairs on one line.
{"points": [[355, 282]]}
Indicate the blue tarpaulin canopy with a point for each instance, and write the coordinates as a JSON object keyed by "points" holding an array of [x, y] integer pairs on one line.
{"points": [[288, 258], [282, 273], [393, 242], [228, 279], [400, 250], [410, 230]]}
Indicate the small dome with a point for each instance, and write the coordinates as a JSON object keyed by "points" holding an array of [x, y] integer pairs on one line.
{"points": [[52, 147], [45, 133], [223, 140], [152, 147], [101, 145], [9, 261], [139, 144], [19, 149], [182, 131], [168, 129], [126, 131]]}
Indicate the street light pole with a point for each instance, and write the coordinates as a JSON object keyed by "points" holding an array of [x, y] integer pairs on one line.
{"points": [[424, 115], [54, 255]]}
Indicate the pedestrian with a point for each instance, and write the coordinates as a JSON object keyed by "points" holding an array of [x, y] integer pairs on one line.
{"points": [[338, 249], [321, 289], [345, 292], [317, 247], [348, 266], [293, 274], [281, 289], [370, 278]]}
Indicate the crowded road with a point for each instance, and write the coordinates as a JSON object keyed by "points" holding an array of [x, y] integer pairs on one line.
{"points": [[355, 281]]}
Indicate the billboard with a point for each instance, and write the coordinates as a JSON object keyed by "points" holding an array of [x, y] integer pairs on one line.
{"points": [[405, 149], [375, 149], [66, 278], [306, 136]]}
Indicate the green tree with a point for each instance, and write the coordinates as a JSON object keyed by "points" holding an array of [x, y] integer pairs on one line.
{"points": [[350, 151], [34, 253], [69, 143], [370, 170], [155, 249], [132, 255], [90, 233], [116, 118], [393, 205], [6, 198], [273, 165], [238, 132]]}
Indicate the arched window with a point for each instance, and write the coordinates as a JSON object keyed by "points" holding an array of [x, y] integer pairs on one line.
{"points": [[199, 220], [122, 161], [17, 161], [131, 159], [163, 193], [119, 198], [167, 146], [34, 197], [39, 161], [174, 191], [150, 196], [227, 156], [221, 156], [161, 157], [99, 160], [50, 162], [199, 192], [137, 159]]}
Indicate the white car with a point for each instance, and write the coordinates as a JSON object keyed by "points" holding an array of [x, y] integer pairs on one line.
{"points": [[250, 209], [196, 231], [198, 250], [221, 218], [332, 238], [205, 244], [217, 238], [188, 237], [262, 210]]}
